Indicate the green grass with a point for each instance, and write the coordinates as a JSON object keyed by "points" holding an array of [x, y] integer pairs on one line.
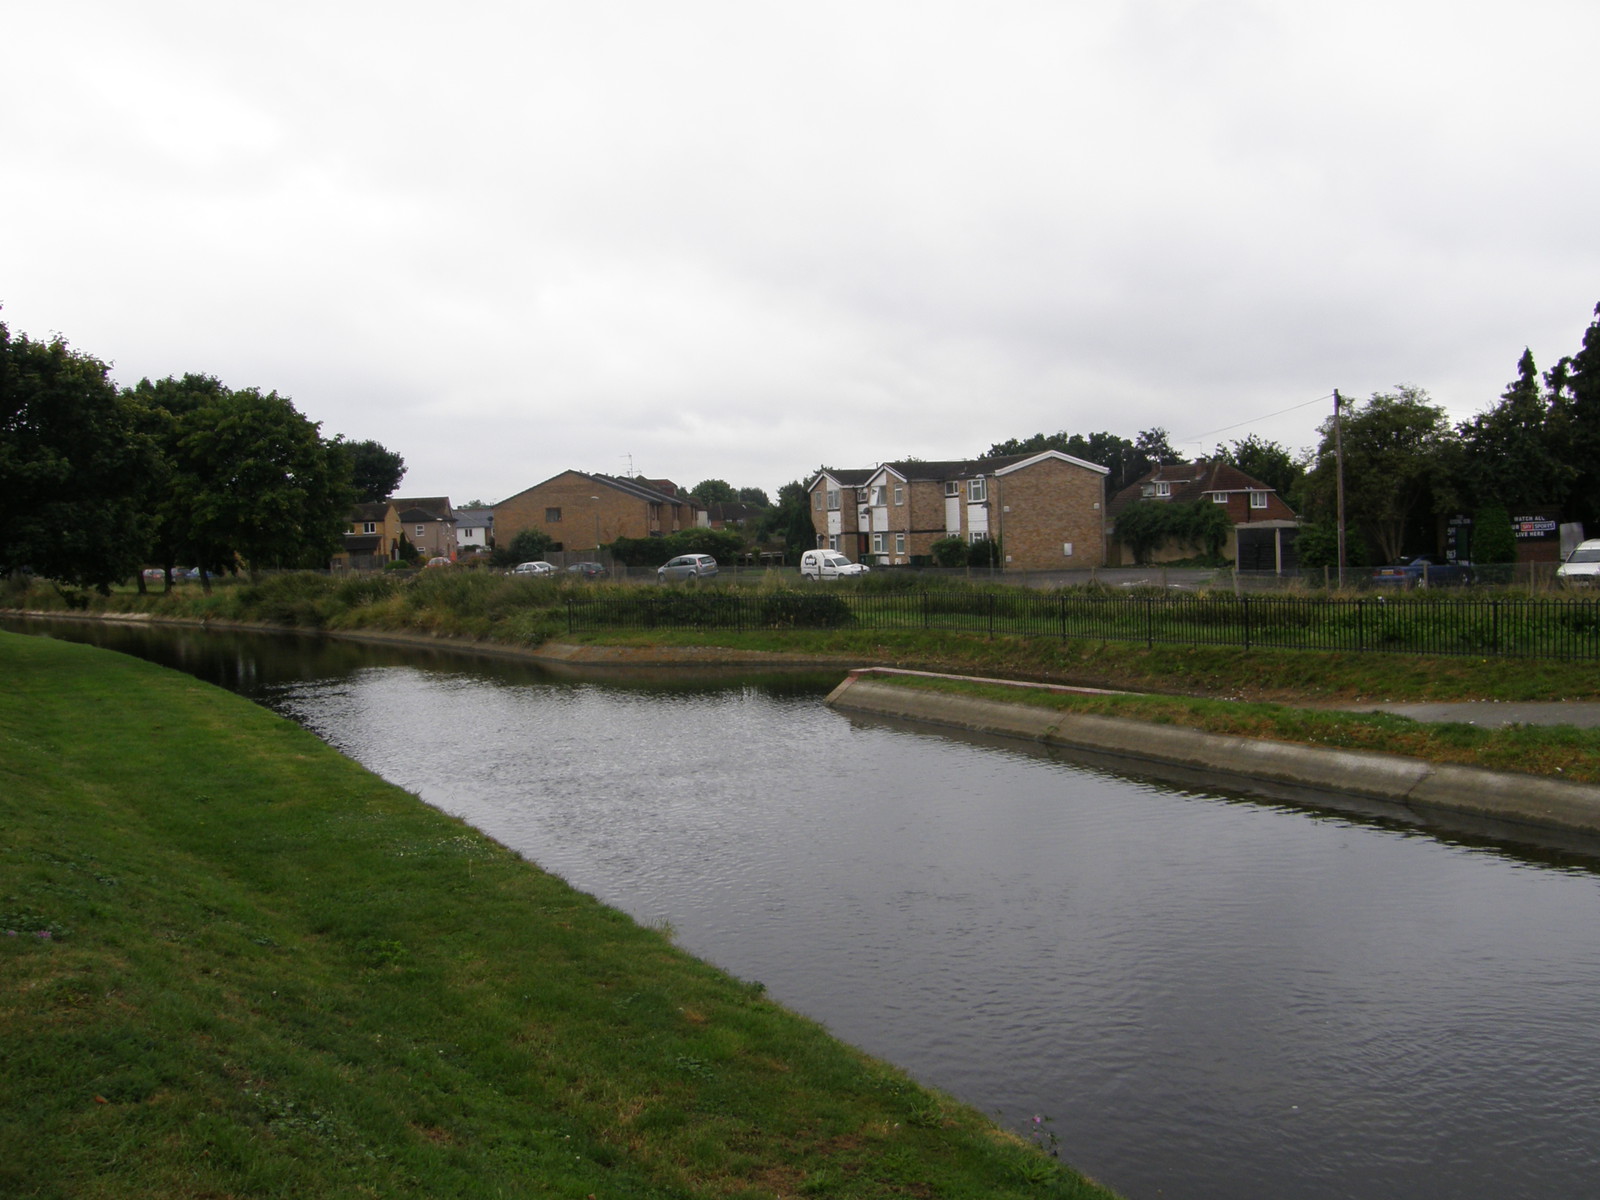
{"points": [[233, 963], [1562, 751]]}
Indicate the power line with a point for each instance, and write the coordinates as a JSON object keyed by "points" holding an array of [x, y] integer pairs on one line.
{"points": [[1292, 408]]}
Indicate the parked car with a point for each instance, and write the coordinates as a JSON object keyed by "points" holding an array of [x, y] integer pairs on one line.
{"points": [[1426, 570], [439, 562], [1582, 567], [539, 567], [588, 570], [687, 566], [829, 564]]}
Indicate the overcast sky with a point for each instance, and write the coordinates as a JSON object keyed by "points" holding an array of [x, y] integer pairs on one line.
{"points": [[740, 239]]}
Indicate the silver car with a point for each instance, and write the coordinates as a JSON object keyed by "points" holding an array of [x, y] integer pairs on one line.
{"points": [[687, 566]]}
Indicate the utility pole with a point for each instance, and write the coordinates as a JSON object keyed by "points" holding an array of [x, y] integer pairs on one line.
{"points": [[1338, 458]]}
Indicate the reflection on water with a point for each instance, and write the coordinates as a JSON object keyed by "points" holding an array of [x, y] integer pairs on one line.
{"points": [[1207, 997]]}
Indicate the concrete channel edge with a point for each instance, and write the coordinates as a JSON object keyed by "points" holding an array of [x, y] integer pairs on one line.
{"points": [[1504, 796]]}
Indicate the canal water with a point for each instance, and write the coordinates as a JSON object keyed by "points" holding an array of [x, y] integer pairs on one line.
{"points": [[1202, 995]]}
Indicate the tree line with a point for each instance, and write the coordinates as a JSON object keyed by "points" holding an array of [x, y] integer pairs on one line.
{"points": [[1406, 467], [98, 481]]}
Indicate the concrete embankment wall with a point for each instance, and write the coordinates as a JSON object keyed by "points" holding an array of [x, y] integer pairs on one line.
{"points": [[1497, 796]]}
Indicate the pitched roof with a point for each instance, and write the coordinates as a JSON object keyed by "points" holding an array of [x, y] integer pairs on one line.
{"points": [[850, 477], [1187, 482], [439, 506]]}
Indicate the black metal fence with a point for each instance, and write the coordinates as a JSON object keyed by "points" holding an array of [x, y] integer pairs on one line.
{"points": [[1508, 628]]}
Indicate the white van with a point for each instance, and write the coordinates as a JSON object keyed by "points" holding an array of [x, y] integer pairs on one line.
{"points": [[829, 564], [1582, 565]]}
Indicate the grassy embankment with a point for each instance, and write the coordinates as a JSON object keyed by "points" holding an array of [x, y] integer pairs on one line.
{"points": [[234, 963], [1284, 694]]}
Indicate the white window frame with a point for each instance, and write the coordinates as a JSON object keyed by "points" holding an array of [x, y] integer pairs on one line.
{"points": [[899, 493], [976, 536], [833, 541], [833, 501], [877, 543], [899, 543], [880, 496], [816, 500], [1163, 488], [1258, 499], [977, 490], [952, 488], [421, 532], [1219, 497], [369, 527]]}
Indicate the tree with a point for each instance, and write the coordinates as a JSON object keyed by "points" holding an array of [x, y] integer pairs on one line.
{"points": [[755, 497], [258, 483], [1493, 539], [1396, 451], [375, 472], [72, 461], [529, 545], [1574, 385], [712, 491], [789, 521], [1263, 460], [952, 551], [1126, 460], [1511, 455]]}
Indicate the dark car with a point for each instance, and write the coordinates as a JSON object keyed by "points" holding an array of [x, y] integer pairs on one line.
{"points": [[1426, 570], [588, 570]]}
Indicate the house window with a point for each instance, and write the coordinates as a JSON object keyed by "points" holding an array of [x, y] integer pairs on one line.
{"points": [[552, 516], [1219, 497], [833, 503], [899, 493], [833, 541], [899, 543], [816, 501], [877, 543], [977, 535], [369, 527], [880, 496], [861, 495], [421, 529], [952, 488], [1163, 488], [977, 490], [1258, 499]]}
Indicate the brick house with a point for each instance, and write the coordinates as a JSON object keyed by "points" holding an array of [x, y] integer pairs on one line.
{"points": [[1264, 527], [372, 539], [836, 499], [1046, 509], [580, 511], [429, 523]]}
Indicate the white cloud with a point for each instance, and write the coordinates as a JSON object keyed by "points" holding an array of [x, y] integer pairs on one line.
{"points": [[736, 240]]}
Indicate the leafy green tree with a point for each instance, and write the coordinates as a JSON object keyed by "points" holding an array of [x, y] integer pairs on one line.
{"points": [[788, 523], [258, 483], [1493, 539], [1263, 460], [712, 491], [375, 471], [985, 552], [529, 545], [1397, 451], [72, 462], [1513, 454], [165, 408], [1574, 386], [755, 497], [1126, 460], [950, 552]]}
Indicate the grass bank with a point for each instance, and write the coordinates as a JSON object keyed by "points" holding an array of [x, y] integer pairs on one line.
{"points": [[234, 963], [1559, 751]]}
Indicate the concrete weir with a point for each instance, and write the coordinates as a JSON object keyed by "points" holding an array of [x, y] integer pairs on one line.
{"points": [[1496, 796]]}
